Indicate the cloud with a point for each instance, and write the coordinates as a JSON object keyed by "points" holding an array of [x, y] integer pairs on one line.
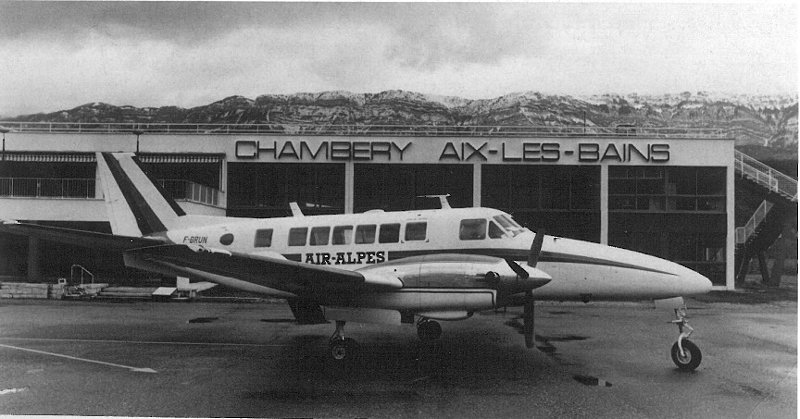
{"points": [[59, 55]]}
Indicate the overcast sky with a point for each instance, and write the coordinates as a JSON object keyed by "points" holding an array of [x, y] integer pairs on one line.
{"points": [[59, 55]]}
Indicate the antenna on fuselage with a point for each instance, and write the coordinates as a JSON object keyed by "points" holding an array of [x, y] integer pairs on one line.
{"points": [[442, 200], [296, 212]]}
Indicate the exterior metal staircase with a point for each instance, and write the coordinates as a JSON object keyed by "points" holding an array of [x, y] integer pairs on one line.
{"points": [[765, 176], [766, 224]]}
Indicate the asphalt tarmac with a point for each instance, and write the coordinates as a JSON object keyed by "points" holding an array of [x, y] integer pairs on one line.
{"points": [[250, 359]]}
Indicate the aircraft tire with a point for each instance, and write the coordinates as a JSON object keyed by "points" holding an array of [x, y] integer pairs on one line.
{"points": [[343, 350], [692, 359]]}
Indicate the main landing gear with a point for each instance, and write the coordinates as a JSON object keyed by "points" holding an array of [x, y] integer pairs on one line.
{"points": [[340, 348], [428, 330], [685, 354]]}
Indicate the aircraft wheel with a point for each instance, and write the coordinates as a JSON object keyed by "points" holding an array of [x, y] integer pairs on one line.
{"points": [[692, 357], [341, 350], [429, 330]]}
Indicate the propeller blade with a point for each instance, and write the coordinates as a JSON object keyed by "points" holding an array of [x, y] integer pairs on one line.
{"points": [[527, 318], [519, 270], [536, 248]]}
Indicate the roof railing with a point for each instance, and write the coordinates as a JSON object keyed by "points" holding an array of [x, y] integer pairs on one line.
{"points": [[365, 129], [181, 189]]}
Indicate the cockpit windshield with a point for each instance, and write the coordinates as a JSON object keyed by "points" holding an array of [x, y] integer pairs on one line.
{"points": [[509, 225]]}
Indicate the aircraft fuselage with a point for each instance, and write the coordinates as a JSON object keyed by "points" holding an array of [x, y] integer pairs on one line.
{"points": [[421, 248]]}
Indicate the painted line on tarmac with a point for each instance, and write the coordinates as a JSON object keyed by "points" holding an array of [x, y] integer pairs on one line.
{"points": [[148, 342], [134, 369]]}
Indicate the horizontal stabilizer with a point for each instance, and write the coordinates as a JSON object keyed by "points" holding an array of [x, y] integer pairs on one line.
{"points": [[81, 238]]}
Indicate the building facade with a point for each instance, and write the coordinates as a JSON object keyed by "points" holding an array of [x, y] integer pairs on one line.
{"points": [[666, 193]]}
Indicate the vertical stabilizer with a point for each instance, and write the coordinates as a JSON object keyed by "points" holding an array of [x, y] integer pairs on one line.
{"points": [[136, 204]]}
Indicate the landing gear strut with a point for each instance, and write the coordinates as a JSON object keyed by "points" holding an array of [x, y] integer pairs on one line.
{"points": [[428, 330], [340, 348], [685, 354]]}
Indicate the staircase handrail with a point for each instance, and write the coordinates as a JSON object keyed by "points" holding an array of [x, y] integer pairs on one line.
{"points": [[744, 233], [765, 176], [82, 271]]}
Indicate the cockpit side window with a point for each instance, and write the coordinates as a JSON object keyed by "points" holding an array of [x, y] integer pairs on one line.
{"points": [[508, 224], [472, 229], [495, 232]]}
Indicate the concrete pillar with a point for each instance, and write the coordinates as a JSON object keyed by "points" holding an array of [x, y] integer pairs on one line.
{"points": [[730, 240], [98, 186], [604, 204], [349, 188], [223, 184], [476, 185], [34, 260]]}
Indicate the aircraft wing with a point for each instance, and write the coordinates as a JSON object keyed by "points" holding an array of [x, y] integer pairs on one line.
{"points": [[241, 270], [82, 238]]}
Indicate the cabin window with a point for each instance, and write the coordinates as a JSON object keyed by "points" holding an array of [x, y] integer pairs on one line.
{"points": [[319, 236], [416, 231], [342, 234], [495, 232], [390, 233], [226, 239], [472, 229], [297, 236], [365, 234], [263, 238]]}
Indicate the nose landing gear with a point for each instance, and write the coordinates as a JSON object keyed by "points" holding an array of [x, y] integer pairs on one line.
{"points": [[685, 354]]}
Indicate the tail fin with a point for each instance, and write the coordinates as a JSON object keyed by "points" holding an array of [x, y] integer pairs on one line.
{"points": [[137, 206]]}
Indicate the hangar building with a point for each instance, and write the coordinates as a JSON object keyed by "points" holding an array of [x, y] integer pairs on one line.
{"points": [[665, 192]]}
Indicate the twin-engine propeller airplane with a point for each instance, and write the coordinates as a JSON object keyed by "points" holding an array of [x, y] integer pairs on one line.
{"points": [[385, 267]]}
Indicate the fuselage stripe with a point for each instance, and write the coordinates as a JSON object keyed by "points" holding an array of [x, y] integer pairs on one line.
{"points": [[522, 255]]}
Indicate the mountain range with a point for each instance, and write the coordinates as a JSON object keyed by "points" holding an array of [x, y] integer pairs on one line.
{"points": [[765, 126]]}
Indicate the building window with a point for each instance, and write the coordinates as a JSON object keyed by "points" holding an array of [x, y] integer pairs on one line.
{"points": [[666, 189], [416, 231], [400, 187], [297, 236], [695, 240], [564, 200], [266, 189], [263, 238]]}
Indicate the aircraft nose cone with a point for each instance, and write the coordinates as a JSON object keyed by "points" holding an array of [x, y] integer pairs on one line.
{"points": [[695, 283]]}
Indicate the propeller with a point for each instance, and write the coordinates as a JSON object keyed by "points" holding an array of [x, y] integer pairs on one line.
{"points": [[536, 248], [522, 273], [527, 313], [527, 320]]}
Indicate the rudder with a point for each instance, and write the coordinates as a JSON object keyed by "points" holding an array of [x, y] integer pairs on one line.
{"points": [[136, 204]]}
